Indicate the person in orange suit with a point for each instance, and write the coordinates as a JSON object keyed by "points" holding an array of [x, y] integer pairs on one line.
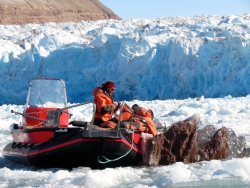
{"points": [[105, 105], [137, 118], [144, 117], [125, 115]]}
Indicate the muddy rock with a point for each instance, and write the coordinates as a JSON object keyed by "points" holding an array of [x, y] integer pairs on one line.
{"points": [[180, 144]]}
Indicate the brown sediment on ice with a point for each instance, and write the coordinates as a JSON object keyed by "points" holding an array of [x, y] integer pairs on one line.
{"points": [[183, 142]]}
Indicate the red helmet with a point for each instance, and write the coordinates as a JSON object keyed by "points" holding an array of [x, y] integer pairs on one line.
{"points": [[109, 84]]}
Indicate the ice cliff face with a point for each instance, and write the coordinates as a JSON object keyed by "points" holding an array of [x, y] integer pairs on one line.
{"points": [[165, 58]]}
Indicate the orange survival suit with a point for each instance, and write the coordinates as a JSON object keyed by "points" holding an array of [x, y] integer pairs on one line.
{"points": [[142, 120], [105, 106]]}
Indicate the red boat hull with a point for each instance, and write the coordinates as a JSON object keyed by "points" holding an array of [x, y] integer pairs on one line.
{"points": [[73, 147]]}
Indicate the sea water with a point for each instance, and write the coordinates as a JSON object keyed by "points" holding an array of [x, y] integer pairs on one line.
{"points": [[233, 172]]}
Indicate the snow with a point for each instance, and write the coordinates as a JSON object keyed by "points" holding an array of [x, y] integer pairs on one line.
{"points": [[176, 66]]}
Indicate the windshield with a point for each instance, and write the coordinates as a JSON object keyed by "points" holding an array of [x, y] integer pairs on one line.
{"points": [[47, 93]]}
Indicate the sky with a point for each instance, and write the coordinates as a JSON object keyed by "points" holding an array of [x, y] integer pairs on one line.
{"points": [[150, 9]]}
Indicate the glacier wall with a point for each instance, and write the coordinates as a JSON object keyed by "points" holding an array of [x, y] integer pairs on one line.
{"points": [[165, 58]]}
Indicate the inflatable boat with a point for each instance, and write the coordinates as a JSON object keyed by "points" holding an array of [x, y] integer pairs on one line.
{"points": [[46, 138]]}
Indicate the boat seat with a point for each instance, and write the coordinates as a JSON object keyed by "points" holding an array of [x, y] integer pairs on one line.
{"points": [[79, 123]]}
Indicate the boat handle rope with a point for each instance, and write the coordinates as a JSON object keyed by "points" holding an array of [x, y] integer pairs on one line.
{"points": [[111, 160]]}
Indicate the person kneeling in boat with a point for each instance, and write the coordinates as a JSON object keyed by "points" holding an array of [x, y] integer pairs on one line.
{"points": [[105, 105], [139, 118]]}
